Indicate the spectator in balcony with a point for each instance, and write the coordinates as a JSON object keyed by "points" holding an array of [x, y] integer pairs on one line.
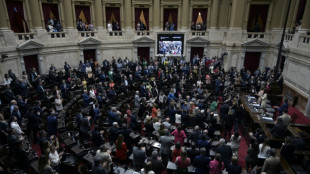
{"points": [[142, 27], [109, 26], [138, 26], [172, 25], [198, 26], [58, 27], [118, 28], [50, 27], [204, 27], [91, 26], [257, 28], [193, 26], [7, 79], [167, 26]]}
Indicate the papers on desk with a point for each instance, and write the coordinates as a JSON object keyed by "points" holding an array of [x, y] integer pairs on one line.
{"points": [[156, 145], [172, 166], [255, 105], [267, 119]]}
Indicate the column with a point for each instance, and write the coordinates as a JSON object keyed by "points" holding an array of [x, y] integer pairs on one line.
{"points": [[185, 10], [236, 13], [214, 13], [98, 13], [306, 17], [35, 14], [4, 25], [156, 11], [128, 14], [68, 14]]}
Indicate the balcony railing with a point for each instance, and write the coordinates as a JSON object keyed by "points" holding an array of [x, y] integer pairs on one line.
{"points": [[253, 35], [56, 35], [288, 37], [87, 33], [115, 33], [24, 36], [142, 33], [304, 39], [199, 33]]}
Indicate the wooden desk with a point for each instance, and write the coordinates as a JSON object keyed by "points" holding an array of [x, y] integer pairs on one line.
{"points": [[286, 167]]}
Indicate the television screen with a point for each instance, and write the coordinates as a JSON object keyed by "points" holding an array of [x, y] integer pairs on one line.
{"points": [[170, 44]]}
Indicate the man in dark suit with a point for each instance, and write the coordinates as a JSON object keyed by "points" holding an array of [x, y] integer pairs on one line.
{"points": [[201, 162], [113, 132], [67, 68], [272, 164], [279, 129], [52, 124], [22, 105], [42, 92], [225, 151], [166, 143], [34, 123], [64, 87], [196, 135], [84, 127], [96, 167], [192, 152], [157, 165], [86, 98], [96, 137], [139, 157]]}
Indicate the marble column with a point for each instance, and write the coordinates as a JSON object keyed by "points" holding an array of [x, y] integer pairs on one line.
{"points": [[214, 13], [68, 14], [156, 12], [98, 13], [128, 14], [35, 14], [185, 10], [306, 17], [236, 14], [4, 25]]}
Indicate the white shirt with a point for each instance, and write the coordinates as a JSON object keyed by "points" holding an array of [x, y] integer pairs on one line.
{"points": [[156, 126], [88, 70], [92, 94], [265, 153], [177, 118], [7, 81], [15, 126], [58, 104], [54, 158], [109, 27]]}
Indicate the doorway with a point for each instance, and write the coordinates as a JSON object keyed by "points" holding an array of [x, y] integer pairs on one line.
{"points": [[89, 55], [31, 61], [195, 51], [144, 53], [251, 61]]}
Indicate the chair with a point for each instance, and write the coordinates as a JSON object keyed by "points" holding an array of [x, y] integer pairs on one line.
{"points": [[294, 118]]}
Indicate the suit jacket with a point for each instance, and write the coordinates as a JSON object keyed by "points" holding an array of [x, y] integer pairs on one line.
{"points": [[202, 164], [166, 143], [139, 157], [84, 127], [271, 165], [157, 165], [286, 119], [52, 125], [278, 130], [225, 152], [98, 169]]}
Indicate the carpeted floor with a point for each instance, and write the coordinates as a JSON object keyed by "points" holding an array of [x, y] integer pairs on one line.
{"points": [[301, 118]]}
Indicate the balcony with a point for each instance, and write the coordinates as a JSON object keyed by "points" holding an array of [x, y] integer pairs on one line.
{"points": [[115, 33], [254, 35], [288, 37], [87, 33], [304, 39], [56, 35], [142, 33], [24, 36], [198, 33]]}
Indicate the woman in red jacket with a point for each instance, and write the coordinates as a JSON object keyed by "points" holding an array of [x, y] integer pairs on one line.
{"points": [[121, 149]]}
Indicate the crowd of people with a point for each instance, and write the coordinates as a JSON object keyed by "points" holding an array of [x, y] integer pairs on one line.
{"points": [[198, 26], [180, 104], [84, 26]]}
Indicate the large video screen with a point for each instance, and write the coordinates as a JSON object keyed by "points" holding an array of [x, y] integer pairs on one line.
{"points": [[170, 44]]}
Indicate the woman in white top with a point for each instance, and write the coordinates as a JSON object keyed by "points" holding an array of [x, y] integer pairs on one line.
{"points": [[260, 94], [16, 128], [92, 92], [7, 80], [178, 119], [58, 103], [264, 149], [88, 69], [234, 143], [109, 26], [54, 157], [264, 100]]}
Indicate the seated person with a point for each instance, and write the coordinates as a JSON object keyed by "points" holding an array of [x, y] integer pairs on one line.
{"points": [[279, 129]]}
